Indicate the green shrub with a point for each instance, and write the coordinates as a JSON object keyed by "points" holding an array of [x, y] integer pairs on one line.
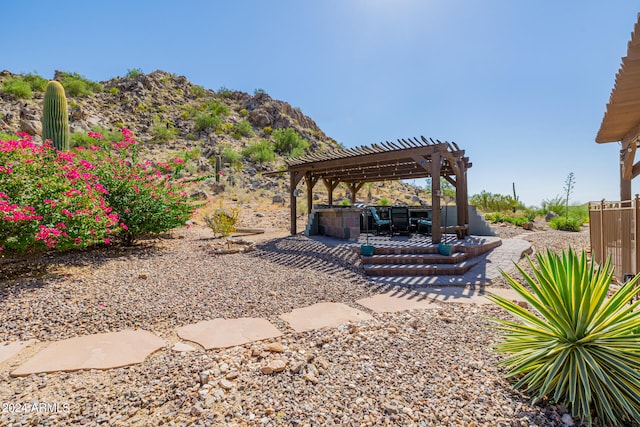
{"points": [[223, 92], [198, 91], [490, 202], [345, 202], [578, 345], [267, 130], [229, 155], [243, 112], [259, 91], [289, 143], [566, 224], [217, 108], [4, 136], [77, 86], [82, 139], [244, 128], [114, 91], [17, 88], [383, 202], [162, 130], [133, 73], [555, 205], [37, 83], [204, 121], [260, 152], [222, 221]]}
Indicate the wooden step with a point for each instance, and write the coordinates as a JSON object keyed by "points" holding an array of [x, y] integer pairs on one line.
{"points": [[421, 258], [419, 269]]}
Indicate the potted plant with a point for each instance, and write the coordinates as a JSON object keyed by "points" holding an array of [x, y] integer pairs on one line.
{"points": [[366, 249]]}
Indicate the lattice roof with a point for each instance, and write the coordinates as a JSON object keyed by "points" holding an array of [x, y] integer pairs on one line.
{"points": [[623, 110], [405, 159]]}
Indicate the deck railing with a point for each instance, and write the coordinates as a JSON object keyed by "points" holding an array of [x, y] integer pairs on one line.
{"points": [[615, 231]]}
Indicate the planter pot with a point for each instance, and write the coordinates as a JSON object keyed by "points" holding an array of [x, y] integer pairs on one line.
{"points": [[366, 250], [445, 249]]}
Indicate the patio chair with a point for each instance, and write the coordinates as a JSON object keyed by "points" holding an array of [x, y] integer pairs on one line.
{"points": [[423, 225], [399, 219], [378, 223]]}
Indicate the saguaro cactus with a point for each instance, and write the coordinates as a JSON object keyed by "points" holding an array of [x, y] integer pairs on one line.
{"points": [[55, 117]]}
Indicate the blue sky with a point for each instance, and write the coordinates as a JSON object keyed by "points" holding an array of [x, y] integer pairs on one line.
{"points": [[520, 85]]}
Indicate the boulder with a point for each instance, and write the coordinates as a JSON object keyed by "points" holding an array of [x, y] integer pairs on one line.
{"points": [[550, 215]]}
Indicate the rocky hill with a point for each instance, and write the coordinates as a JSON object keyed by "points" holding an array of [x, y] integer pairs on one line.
{"points": [[168, 115]]}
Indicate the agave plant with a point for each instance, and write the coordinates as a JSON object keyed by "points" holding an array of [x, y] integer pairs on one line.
{"points": [[578, 346]]}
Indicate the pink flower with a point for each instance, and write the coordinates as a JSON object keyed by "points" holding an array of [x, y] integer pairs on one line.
{"points": [[107, 241], [95, 135], [219, 172]]}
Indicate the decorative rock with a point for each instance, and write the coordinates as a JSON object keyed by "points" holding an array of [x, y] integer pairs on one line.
{"points": [[232, 375], [142, 276], [296, 366], [274, 347], [226, 384], [274, 366]]}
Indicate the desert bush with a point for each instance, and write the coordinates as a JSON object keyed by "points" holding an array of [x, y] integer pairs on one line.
{"points": [[132, 73], [260, 152], [198, 91], [218, 108], [383, 202], [223, 92], [491, 202], [578, 344], [78, 86], [555, 205], [345, 202], [244, 128], [231, 156], [289, 143], [222, 221], [36, 82], [566, 224], [17, 87], [204, 121], [162, 130]]}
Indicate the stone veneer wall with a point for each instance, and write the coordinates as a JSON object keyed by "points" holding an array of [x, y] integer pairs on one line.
{"points": [[343, 223]]}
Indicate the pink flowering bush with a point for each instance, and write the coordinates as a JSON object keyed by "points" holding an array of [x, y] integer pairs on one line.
{"points": [[148, 197], [50, 199], [62, 200]]}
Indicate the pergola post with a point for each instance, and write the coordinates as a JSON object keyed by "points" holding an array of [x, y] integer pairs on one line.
{"points": [[354, 187], [331, 185], [436, 230], [462, 202], [311, 182], [292, 202]]}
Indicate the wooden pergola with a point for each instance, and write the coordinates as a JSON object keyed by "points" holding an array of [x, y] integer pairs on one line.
{"points": [[621, 121], [387, 161]]}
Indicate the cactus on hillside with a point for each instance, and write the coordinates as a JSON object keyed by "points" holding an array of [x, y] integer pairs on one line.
{"points": [[55, 116]]}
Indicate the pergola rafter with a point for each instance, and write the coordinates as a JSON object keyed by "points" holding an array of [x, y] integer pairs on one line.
{"points": [[386, 161]]}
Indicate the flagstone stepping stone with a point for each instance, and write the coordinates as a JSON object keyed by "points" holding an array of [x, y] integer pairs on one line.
{"points": [[464, 295], [182, 347], [323, 315], [10, 349], [223, 333], [391, 303], [99, 351]]}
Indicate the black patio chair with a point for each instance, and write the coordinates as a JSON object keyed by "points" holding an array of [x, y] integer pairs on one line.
{"points": [[399, 219]]}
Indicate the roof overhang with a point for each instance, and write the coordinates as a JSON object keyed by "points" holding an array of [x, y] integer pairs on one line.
{"points": [[622, 118]]}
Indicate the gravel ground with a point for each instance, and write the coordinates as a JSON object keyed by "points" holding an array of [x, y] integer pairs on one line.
{"points": [[423, 368]]}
